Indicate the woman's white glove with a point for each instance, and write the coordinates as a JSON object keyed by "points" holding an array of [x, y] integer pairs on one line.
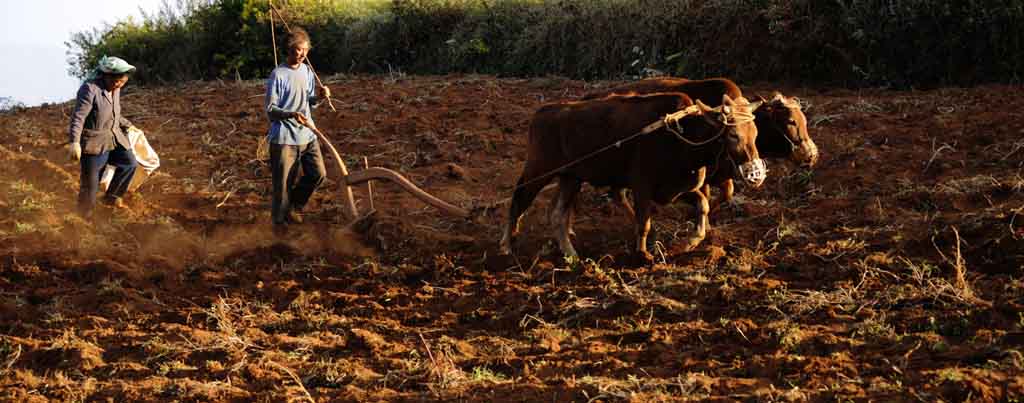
{"points": [[75, 149]]}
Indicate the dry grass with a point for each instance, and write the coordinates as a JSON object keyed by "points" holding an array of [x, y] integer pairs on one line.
{"points": [[442, 373], [689, 386], [9, 354], [876, 330], [808, 302], [936, 151], [960, 287]]}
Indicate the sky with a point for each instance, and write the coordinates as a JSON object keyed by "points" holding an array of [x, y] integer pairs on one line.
{"points": [[32, 36]]}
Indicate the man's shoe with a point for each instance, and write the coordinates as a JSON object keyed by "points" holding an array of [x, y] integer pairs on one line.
{"points": [[86, 214], [114, 202], [293, 217]]}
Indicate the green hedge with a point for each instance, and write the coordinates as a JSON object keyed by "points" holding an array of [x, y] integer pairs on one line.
{"points": [[903, 43]]}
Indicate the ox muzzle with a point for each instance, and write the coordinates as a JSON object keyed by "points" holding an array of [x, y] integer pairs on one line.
{"points": [[807, 154], [753, 172]]}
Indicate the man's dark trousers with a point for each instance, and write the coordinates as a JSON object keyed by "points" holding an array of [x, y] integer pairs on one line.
{"points": [[289, 191], [124, 164]]}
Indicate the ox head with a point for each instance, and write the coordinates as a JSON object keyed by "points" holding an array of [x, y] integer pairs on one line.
{"points": [[782, 131], [736, 120]]}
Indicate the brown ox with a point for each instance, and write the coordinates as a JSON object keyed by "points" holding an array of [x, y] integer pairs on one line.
{"points": [[600, 142], [781, 124]]}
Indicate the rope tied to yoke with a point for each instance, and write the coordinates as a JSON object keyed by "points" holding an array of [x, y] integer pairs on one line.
{"points": [[732, 116]]}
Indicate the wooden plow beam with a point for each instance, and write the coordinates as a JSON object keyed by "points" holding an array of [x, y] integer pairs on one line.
{"points": [[378, 173]]}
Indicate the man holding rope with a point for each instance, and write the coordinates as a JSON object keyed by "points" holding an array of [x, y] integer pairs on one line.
{"points": [[289, 94]]}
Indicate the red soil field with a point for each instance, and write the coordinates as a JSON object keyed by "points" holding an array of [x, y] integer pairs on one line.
{"points": [[891, 271]]}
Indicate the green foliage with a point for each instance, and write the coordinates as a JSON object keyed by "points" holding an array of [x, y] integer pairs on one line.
{"points": [[8, 104], [25, 200], [907, 42], [852, 42]]}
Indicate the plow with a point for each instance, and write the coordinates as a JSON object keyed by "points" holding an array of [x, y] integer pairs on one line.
{"points": [[368, 173]]}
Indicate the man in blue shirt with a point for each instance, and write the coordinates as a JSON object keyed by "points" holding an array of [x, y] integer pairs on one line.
{"points": [[290, 91]]}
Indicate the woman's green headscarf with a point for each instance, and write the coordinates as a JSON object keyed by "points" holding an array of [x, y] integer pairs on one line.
{"points": [[110, 65]]}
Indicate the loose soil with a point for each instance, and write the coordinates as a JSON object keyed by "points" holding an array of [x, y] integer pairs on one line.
{"points": [[889, 272]]}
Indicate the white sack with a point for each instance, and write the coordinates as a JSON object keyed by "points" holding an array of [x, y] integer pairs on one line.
{"points": [[144, 155]]}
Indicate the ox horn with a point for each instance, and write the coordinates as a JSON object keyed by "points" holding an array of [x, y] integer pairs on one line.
{"points": [[704, 108], [760, 102]]}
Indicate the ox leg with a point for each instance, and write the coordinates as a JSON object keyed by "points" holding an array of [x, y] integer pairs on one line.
{"points": [[521, 200], [624, 202], [642, 213], [565, 208], [553, 211], [727, 188], [702, 210]]}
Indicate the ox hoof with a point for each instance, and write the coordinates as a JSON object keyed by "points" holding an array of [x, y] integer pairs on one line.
{"points": [[644, 258], [505, 245], [691, 243]]}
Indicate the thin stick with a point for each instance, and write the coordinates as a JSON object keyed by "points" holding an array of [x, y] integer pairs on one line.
{"points": [[960, 267], [429, 354], [273, 38], [369, 184], [294, 378]]}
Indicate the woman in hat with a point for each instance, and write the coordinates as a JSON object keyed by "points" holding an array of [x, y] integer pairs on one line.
{"points": [[97, 136]]}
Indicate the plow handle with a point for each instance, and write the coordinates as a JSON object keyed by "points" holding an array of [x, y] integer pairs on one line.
{"points": [[350, 200]]}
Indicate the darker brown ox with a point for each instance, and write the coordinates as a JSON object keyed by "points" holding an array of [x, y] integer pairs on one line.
{"points": [[781, 124], [589, 141]]}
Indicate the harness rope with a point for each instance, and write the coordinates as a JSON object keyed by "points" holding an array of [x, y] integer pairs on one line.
{"points": [[666, 122], [735, 118]]}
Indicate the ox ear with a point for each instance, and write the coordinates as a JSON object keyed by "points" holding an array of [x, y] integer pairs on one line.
{"points": [[755, 105], [778, 97]]}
